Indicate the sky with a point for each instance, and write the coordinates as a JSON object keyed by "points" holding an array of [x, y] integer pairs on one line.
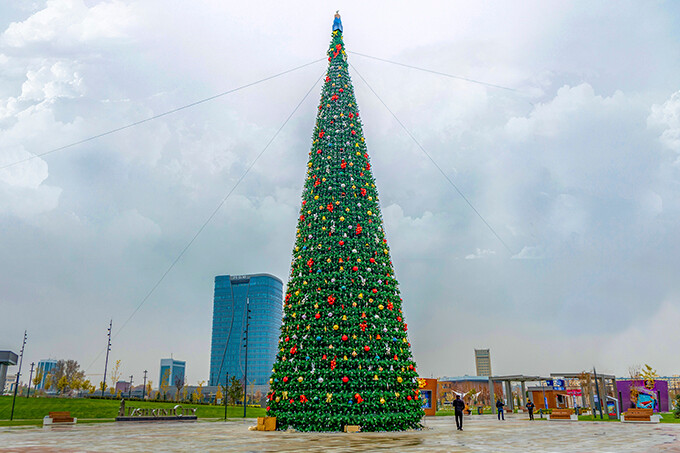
{"points": [[576, 168]]}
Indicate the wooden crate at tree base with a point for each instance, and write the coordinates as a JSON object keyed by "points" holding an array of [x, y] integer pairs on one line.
{"points": [[352, 428], [266, 423]]}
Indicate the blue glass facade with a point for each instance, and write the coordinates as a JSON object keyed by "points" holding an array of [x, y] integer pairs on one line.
{"points": [[265, 295], [171, 370], [46, 367]]}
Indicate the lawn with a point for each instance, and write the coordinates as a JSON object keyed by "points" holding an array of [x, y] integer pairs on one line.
{"points": [[37, 408]]}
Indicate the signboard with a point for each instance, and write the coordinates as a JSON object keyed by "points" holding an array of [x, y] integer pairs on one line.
{"points": [[549, 382], [574, 392], [426, 396], [611, 409]]}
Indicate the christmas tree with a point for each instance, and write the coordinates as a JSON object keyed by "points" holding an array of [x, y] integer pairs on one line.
{"points": [[344, 356]]}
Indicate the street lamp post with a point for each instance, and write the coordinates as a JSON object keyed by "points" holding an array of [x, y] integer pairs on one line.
{"points": [[130, 388], [106, 363], [16, 386], [144, 387], [245, 373], [30, 378]]}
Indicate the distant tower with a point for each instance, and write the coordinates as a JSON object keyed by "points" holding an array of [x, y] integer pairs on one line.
{"points": [[483, 362], [227, 353]]}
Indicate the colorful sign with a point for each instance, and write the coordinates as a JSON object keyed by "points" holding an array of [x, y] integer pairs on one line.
{"points": [[426, 396], [574, 392]]}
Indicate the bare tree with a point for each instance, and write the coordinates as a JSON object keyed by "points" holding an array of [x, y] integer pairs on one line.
{"points": [[179, 383]]}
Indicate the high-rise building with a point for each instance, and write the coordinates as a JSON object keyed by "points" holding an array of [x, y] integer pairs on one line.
{"points": [[483, 362], [263, 294], [171, 371], [44, 369]]}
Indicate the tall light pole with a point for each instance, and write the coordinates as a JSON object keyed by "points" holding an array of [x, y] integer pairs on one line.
{"points": [[144, 388], [30, 378], [130, 388], [106, 363], [245, 373], [16, 386]]}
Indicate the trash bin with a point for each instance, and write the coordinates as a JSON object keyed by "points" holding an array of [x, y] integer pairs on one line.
{"points": [[480, 410]]}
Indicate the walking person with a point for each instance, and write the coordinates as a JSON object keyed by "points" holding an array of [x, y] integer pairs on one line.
{"points": [[458, 406], [530, 407], [499, 407]]}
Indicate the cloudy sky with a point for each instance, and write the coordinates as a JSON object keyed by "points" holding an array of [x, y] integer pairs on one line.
{"points": [[577, 170]]}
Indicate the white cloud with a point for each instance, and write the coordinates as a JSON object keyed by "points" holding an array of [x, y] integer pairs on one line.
{"points": [[70, 21], [480, 253], [667, 117], [22, 192]]}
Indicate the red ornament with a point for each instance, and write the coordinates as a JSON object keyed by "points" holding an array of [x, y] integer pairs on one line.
{"points": [[341, 242], [374, 290], [285, 379], [286, 339], [330, 207], [268, 408], [344, 338], [345, 379], [372, 260], [363, 192], [331, 300], [409, 398], [367, 348], [355, 268], [302, 217], [321, 134], [293, 350], [317, 316], [343, 164], [358, 229]]}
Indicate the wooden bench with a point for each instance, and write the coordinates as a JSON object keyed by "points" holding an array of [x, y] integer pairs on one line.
{"points": [[63, 418], [640, 415], [562, 414]]}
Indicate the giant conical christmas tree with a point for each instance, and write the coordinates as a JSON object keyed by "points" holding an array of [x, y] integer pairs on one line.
{"points": [[344, 357]]}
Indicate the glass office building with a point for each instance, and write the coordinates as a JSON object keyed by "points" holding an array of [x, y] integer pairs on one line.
{"points": [[45, 369], [264, 294], [171, 371]]}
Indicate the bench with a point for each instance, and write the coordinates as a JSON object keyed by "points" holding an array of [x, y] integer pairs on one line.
{"points": [[562, 414], [61, 418], [640, 415]]}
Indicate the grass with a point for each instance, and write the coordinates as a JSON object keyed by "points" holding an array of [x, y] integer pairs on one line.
{"points": [[32, 410]]}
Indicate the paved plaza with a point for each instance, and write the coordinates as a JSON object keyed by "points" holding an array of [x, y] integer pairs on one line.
{"points": [[482, 434]]}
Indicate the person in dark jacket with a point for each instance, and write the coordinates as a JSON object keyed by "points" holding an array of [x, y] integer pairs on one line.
{"points": [[530, 408], [458, 406], [499, 407]]}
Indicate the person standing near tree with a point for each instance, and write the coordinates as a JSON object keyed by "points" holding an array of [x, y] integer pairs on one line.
{"points": [[458, 406], [499, 407], [530, 407]]}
